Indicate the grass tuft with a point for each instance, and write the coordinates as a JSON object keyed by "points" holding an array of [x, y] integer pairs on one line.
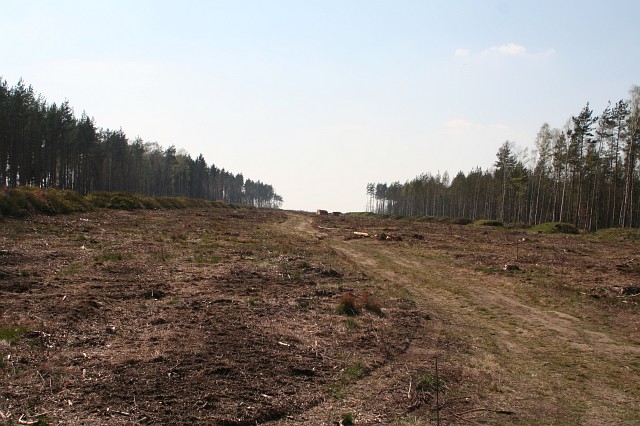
{"points": [[372, 305], [348, 305], [348, 419], [352, 305], [428, 382], [11, 335]]}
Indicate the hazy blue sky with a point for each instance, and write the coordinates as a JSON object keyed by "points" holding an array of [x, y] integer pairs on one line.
{"points": [[319, 98]]}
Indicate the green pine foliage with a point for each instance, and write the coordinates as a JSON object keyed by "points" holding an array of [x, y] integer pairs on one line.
{"points": [[586, 174], [46, 146]]}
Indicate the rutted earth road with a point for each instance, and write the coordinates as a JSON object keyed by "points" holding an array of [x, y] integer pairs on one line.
{"points": [[527, 362]]}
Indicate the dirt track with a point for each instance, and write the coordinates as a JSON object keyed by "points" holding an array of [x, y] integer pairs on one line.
{"points": [[540, 364], [229, 317]]}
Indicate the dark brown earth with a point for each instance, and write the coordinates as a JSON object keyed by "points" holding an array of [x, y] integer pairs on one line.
{"points": [[230, 317]]}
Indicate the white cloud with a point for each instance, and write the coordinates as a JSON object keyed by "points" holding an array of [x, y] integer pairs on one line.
{"points": [[458, 124], [508, 49], [462, 52]]}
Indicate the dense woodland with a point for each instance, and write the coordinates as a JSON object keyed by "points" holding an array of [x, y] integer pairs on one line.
{"points": [[585, 173], [45, 145]]}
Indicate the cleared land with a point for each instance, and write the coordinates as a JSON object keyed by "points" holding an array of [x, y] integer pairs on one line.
{"points": [[237, 317]]}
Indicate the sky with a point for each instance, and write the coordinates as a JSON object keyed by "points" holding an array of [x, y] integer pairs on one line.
{"points": [[319, 98]]}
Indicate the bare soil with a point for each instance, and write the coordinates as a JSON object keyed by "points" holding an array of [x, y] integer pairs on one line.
{"points": [[232, 317]]}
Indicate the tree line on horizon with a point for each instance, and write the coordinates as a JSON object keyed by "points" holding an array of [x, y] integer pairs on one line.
{"points": [[585, 173], [46, 146]]}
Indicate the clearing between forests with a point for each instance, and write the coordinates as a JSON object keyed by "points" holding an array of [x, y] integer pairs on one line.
{"points": [[243, 317]]}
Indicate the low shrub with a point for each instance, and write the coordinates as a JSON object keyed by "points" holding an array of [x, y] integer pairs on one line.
{"points": [[149, 203], [348, 305], [618, 234], [488, 222], [66, 201], [23, 201], [20, 202], [371, 304], [348, 419], [428, 382], [555, 228], [351, 305], [125, 202], [99, 199], [355, 371], [461, 221]]}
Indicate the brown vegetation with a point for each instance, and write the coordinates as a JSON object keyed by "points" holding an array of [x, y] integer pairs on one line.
{"points": [[228, 317]]}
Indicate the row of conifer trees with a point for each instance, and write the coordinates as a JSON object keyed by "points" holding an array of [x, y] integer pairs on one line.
{"points": [[46, 145], [586, 173]]}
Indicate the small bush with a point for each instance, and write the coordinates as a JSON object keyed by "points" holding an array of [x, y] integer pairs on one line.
{"points": [[566, 228], [124, 202], [348, 419], [356, 371], [348, 305], [149, 203], [351, 304], [461, 221], [20, 202], [171, 203], [488, 222], [99, 199], [555, 228], [371, 304], [65, 201], [428, 382]]}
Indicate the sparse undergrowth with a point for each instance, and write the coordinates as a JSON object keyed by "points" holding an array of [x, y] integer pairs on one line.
{"points": [[24, 201], [352, 305], [555, 228], [488, 222], [11, 335]]}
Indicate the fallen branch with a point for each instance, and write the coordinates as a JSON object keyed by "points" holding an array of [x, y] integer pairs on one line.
{"points": [[122, 413], [628, 295], [508, 412], [22, 420], [27, 422]]}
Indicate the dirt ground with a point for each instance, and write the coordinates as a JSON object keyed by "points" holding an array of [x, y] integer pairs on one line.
{"points": [[233, 317]]}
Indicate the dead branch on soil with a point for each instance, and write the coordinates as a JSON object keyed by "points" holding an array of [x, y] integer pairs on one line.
{"points": [[23, 421], [507, 412], [122, 413]]}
